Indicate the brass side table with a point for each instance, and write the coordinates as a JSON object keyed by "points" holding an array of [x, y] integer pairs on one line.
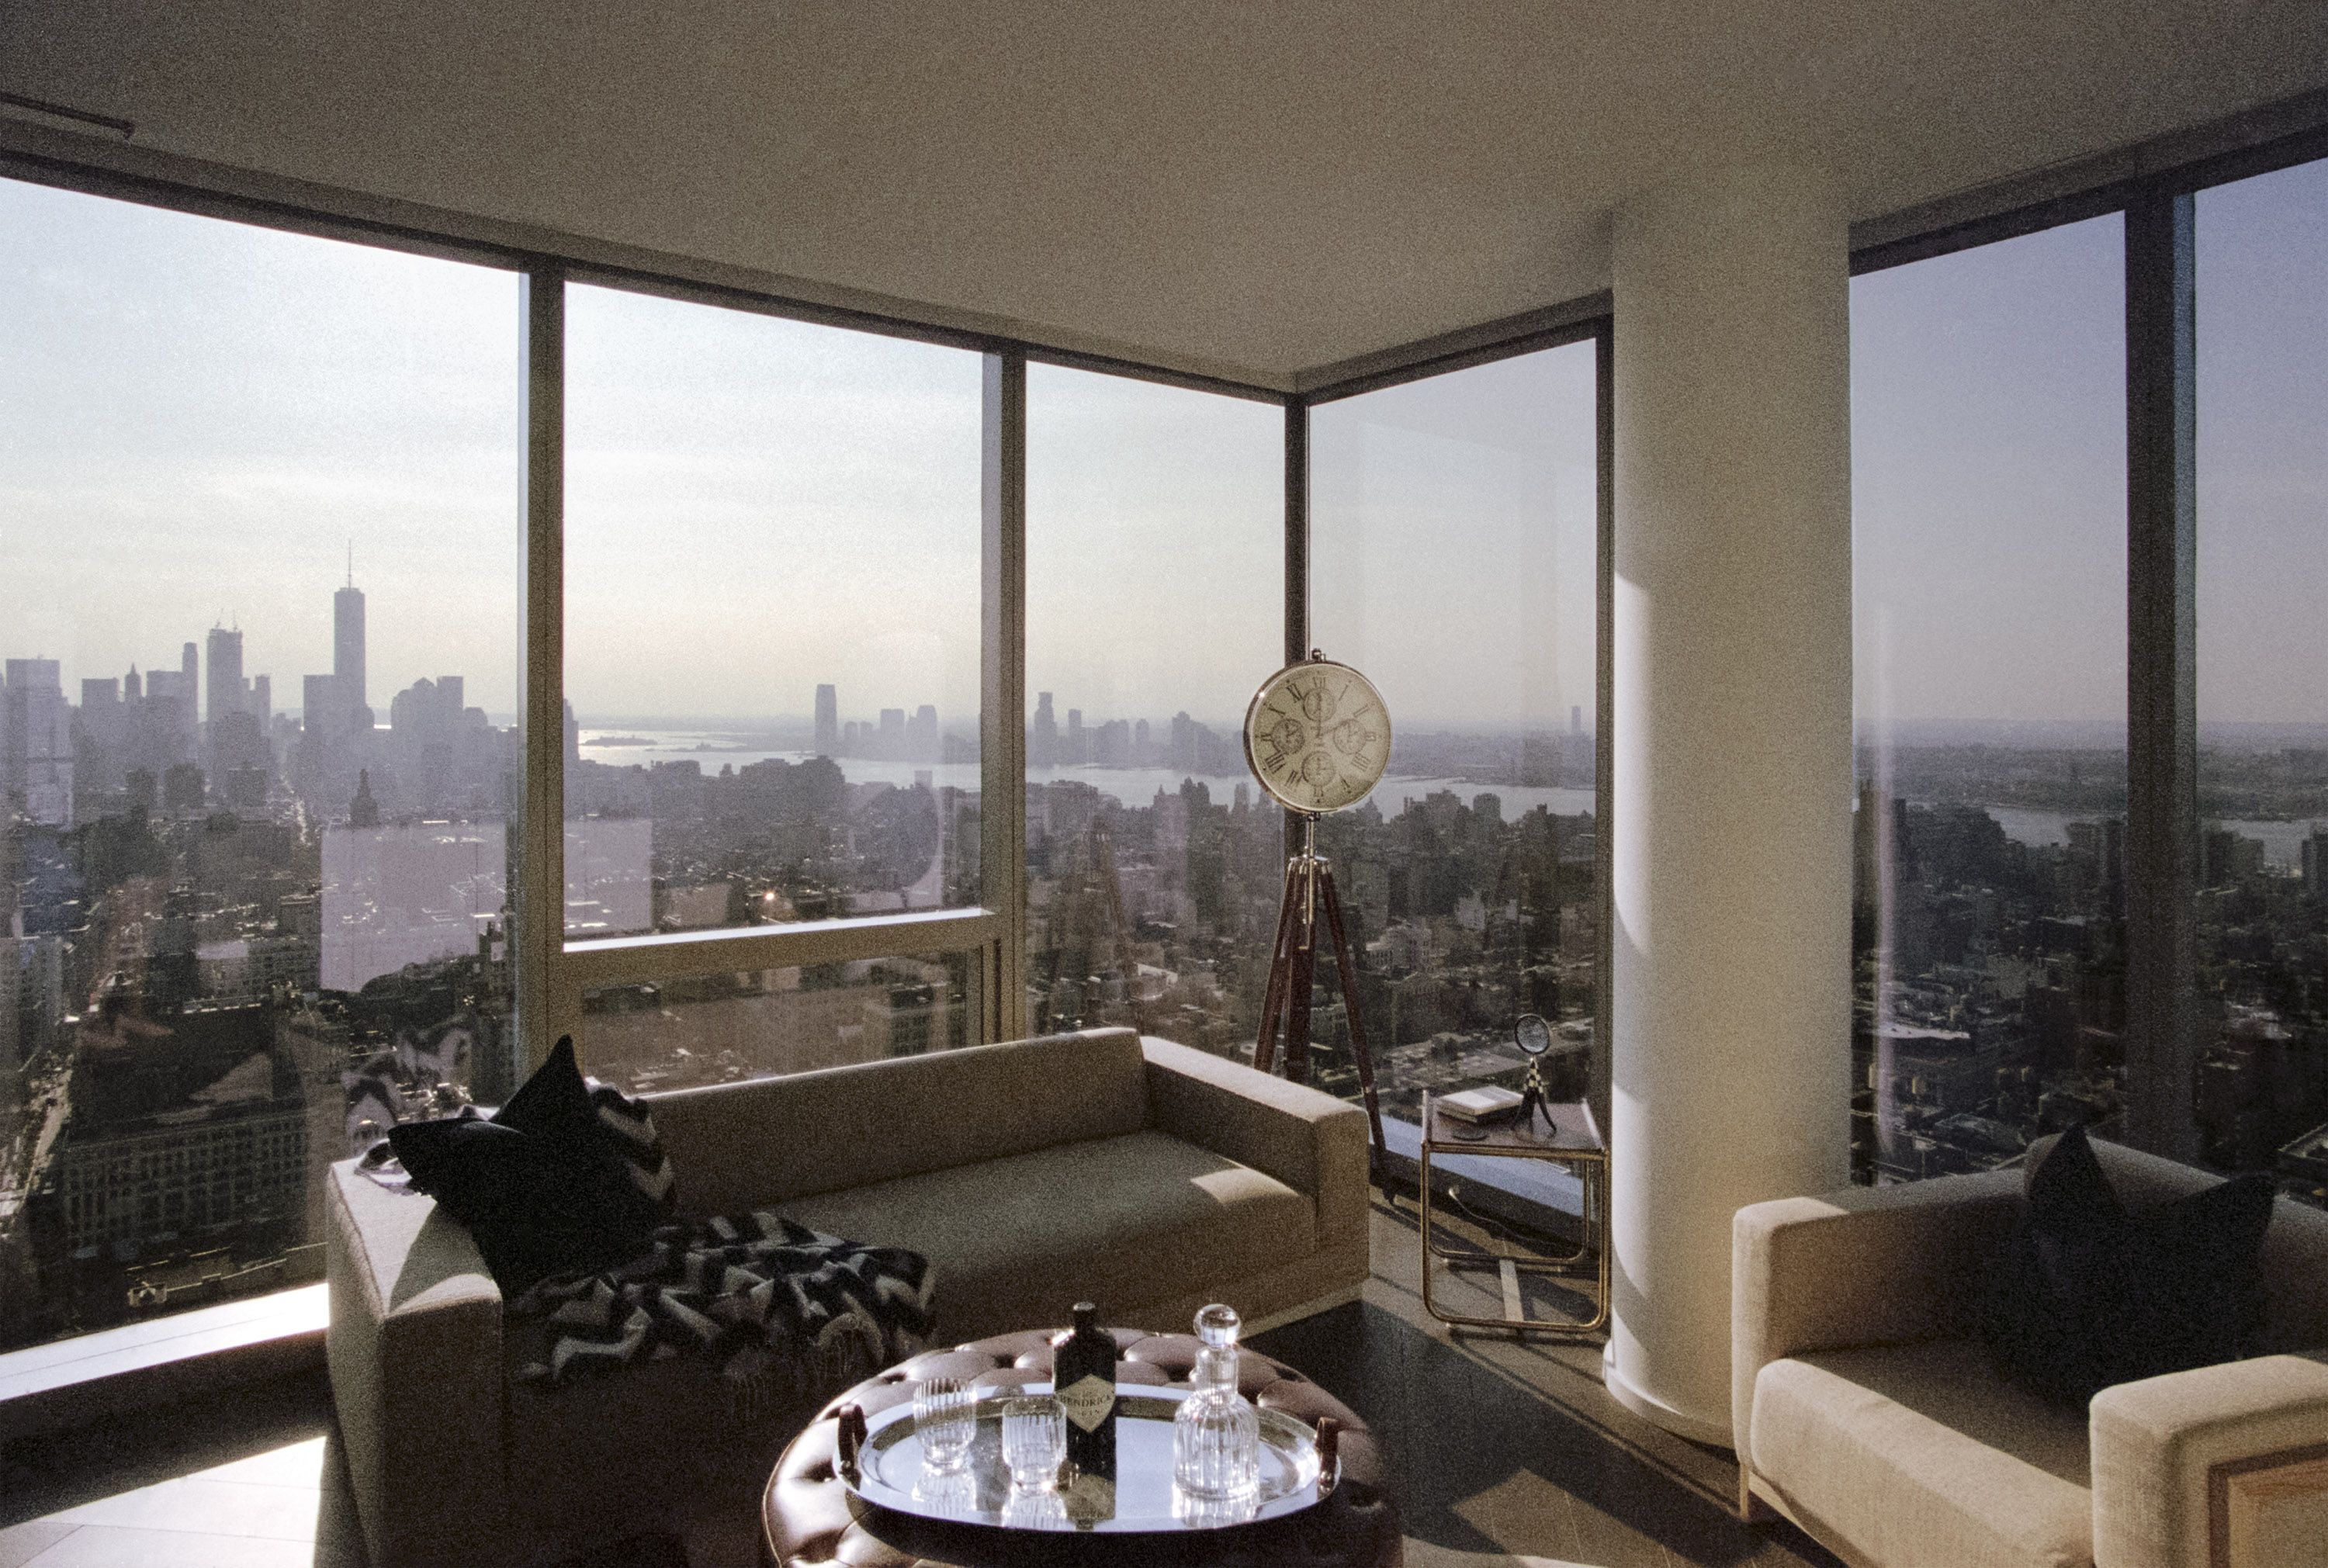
{"points": [[1574, 1142]]}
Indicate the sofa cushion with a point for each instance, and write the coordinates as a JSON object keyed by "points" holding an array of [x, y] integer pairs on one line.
{"points": [[549, 1181], [1920, 1456], [2294, 1246], [760, 1144], [2088, 1293], [1121, 1221]]}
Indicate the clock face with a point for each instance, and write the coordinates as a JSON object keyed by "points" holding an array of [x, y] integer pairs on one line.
{"points": [[1317, 735]]}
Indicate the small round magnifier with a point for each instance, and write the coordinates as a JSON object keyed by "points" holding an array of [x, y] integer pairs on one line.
{"points": [[1533, 1036]]}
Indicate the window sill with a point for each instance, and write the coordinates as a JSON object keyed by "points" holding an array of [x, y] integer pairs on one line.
{"points": [[185, 1355]]}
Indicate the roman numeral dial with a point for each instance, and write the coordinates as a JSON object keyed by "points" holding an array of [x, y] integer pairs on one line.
{"points": [[1317, 735]]}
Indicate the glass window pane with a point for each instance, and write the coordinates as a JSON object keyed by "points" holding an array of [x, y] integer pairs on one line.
{"points": [[1988, 476], [2263, 651], [772, 619], [259, 582], [766, 1023], [1452, 544], [1155, 606]]}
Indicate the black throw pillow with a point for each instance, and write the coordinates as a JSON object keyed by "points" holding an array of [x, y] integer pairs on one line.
{"points": [[2087, 1295], [547, 1184]]}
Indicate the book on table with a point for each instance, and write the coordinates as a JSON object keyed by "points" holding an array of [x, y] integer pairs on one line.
{"points": [[1478, 1105]]}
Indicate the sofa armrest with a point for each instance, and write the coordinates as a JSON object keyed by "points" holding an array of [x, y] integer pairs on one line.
{"points": [[415, 1351], [1306, 1139], [2157, 1442], [1862, 1266]]}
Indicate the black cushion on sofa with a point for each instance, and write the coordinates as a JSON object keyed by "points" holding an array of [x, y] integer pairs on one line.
{"points": [[544, 1184], [2087, 1295]]}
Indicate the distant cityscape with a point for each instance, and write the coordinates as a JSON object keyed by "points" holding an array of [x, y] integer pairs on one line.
{"points": [[1991, 964], [218, 923], [237, 944]]}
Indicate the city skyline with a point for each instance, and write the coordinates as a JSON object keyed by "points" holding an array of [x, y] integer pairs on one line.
{"points": [[286, 393]]}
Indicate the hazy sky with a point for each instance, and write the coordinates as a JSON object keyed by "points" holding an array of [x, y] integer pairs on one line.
{"points": [[754, 506], [1989, 481], [1452, 531], [1988, 447], [196, 417], [199, 416], [1155, 548], [2263, 449]]}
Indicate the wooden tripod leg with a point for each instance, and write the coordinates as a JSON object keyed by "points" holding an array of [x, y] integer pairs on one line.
{"points": [[1350, 1007], [1272, 1001], [1302, 988]]}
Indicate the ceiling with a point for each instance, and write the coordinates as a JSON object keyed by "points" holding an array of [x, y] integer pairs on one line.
{"points": [[1250, 190]]}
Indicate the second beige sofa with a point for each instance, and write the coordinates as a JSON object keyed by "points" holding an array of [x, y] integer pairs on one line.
{"points": [[1866, 1410]]}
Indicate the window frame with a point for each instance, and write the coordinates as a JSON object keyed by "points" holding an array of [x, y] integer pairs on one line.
{"points": [[2163, 1033], [2151, 183]]}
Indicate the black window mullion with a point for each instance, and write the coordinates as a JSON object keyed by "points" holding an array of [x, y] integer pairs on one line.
{"points": [[2162, 825]]}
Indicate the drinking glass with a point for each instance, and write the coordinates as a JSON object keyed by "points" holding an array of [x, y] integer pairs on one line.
{"points": [[945, 1420], [1034, 1442]]}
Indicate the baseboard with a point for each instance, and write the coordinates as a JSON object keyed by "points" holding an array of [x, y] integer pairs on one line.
{"points": [[1656, 1412]]}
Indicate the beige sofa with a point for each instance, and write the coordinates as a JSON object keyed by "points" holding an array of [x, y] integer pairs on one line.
{"points": [[1144, 1174], [1865, 1411]]}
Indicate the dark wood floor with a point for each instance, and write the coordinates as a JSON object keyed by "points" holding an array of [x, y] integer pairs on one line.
{"points": [[1503, 1450]]}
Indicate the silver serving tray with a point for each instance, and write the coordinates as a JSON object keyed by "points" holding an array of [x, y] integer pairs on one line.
{"points": [[889, 1472]]}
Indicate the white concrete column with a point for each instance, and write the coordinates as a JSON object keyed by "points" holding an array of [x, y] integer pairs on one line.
{"points": [[1732, 974]]}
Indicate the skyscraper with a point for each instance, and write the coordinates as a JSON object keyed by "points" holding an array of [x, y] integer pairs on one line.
{"points": [[36, 753], [828, 721], [224, 693], [321, 713], [1043, 735], [348, 654]]}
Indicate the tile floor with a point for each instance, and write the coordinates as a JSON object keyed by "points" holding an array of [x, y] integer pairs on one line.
{"points": [[1506, 1452], [239, 1481]]}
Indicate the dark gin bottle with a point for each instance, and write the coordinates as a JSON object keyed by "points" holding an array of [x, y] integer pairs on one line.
{"points": [[1082, 1374]]}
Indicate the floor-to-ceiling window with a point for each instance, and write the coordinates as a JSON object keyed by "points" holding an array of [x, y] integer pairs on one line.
{"points": [[772, 663], [259, 603], [2261, 902], [1988, 476], [1453, 561], [1155, 604], [2093, 763]]}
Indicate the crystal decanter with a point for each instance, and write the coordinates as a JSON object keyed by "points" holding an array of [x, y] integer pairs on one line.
{"points": [[1216, 1434]]}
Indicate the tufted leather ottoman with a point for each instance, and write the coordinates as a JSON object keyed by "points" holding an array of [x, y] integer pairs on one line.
{"points": [[808, 1515]]}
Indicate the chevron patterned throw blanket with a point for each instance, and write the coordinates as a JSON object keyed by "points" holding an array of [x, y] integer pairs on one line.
{"points": [[783, 1307]]}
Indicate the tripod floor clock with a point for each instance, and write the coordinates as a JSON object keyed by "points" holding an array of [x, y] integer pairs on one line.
{"points": [[1318, 738]]}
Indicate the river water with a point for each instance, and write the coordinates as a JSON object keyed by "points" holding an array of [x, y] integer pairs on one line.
{"points": [[1137, 786], [1133, 786]]}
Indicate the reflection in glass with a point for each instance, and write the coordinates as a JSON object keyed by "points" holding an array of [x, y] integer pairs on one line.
{"points": [[2262, 896], [772, 621], [256, 769], [766, 1023], [1988, 450]]}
